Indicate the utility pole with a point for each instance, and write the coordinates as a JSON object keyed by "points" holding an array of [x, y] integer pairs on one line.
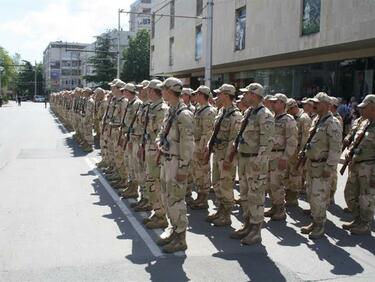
{"points": [[208, 62], [118, 43], [35, 82]]}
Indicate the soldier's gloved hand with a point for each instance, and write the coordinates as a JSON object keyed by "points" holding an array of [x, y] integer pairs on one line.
{"points": [[282, 164], [327, 171]]}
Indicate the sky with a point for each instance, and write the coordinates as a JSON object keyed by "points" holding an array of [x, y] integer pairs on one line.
{"points": [[27, 26]]}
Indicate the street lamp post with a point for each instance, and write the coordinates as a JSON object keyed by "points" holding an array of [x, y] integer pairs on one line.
{"points": [[1, 72]]}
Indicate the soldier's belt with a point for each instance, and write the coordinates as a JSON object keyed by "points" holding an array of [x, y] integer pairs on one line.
{"points": [[278, 150], [322, 160], [248, 155], [168, 155], [115, 125]]}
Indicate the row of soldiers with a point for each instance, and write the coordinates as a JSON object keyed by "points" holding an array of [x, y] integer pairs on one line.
{"points": [[160, 141]]}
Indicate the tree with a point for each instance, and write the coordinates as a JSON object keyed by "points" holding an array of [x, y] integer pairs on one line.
{"points": [[104, 62], [9, 70], [25, 80], [136, 58]]}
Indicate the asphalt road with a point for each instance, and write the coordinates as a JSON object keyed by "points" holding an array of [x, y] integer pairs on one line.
{"points": [[61, 221]]}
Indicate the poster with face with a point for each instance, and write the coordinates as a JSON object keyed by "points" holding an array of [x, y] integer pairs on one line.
{"points": [[311, 16], [240, 32]]}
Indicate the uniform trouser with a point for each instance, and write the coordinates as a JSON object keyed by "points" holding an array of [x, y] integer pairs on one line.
{"points": [[277, 178], [173, 193], [334, 181], [294, 175], [253, 182], [318, 190], [360, 191], [224, 187], [152, 191], [201, 172], [87, 131], [110, 146], [118, 157], [104, 139], [138, 172]]}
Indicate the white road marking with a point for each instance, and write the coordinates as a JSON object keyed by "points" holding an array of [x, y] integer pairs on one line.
{"points": [[155, 250]]}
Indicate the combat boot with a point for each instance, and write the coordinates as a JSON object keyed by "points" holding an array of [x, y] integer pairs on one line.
{"points": [[101, 164], [215, 215], [224, 218], [200, 203], [157, 222], [279, 213], [254, 235], [291, 198], [143, 207], [242, 232], [308, 228], [113, 177], [87, 148], [138, 203], [131, 191], [164, 241], [350, 225], [188, 198], [317, 231], [177, 244], [270, 212], [361, 229]]}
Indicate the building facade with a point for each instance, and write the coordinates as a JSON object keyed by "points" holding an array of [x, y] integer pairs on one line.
{"points": [[140, 15], [297, 47], [62, 65]]}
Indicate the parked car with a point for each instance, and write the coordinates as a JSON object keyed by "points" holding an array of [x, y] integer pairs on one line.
{"points": [[39, 98]]}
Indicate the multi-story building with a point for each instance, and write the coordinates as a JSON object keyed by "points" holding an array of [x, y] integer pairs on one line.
{"points": [[62, 65], [140, 15], [87, 68], [297, 47]]}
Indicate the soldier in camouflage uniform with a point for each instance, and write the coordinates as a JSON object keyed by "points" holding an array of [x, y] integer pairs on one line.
{"points": [[88, 120], [294, 175], [285, 146], [99, 111], [104, 131], [323, 154], [204, 122], [255, 141], [176, 145], [133, 136], [229, 120], [156, 113], [360, 186]]}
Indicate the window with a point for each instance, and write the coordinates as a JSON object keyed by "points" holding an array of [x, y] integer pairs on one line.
{"points": [[146, 1], [153, 25], [198, 42], [310, 17], [199, 7], [240, 32], [171, 47], [147, 11], [172, 7]]}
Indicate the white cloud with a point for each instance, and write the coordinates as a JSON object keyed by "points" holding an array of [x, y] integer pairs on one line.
{"points": [[66, 20]]}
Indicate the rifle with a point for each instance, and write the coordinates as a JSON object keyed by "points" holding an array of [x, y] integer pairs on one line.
{"points": [[213, 140], [347, 143], [130, 129], [302, 153], [352, 151], [163, 140], [143, 142], [106, 114], [122, 125]]}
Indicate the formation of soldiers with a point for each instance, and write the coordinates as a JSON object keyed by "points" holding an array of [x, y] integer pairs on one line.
{"points": [[160, 142]]}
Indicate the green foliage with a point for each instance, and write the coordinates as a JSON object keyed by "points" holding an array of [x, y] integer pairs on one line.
{"points": [[104, 63], [9, 71], [136, 58], [25, 80]]}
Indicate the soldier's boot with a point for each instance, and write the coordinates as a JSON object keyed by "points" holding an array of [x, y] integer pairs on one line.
{"points": [[101, 164], [362, 228], [131, 191], [138, 203], [87, 148], [212, 217], [242, 232], [291, 198], [164, 241], [350, 225], [317, 231], [254, 236], [308, 228], [200, 203], [143, 207], [270, 212], [188, 198], [177, 244], [224, 217], [113, 177], [157, 222], [279, 213]]}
